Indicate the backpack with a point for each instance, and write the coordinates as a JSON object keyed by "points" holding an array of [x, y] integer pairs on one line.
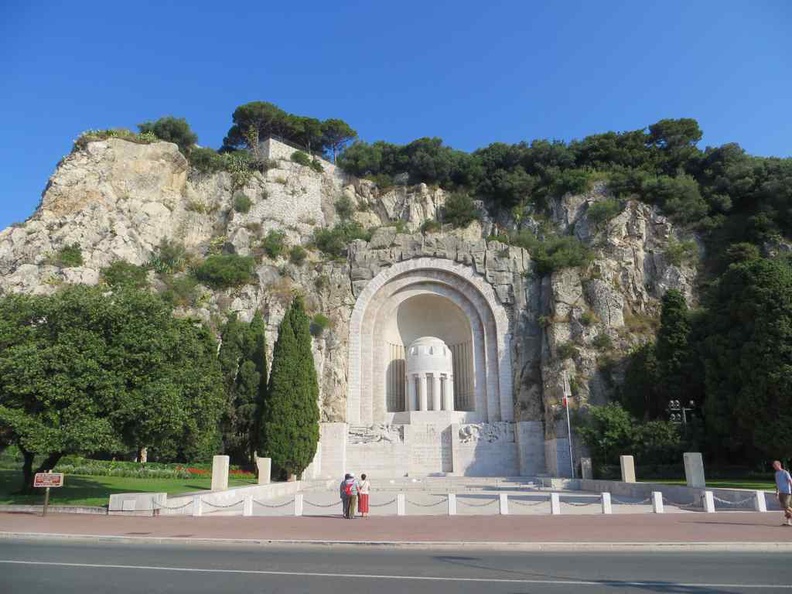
{"points": [[348, 488]]}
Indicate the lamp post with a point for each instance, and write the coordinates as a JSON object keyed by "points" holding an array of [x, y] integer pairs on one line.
{"points": [[677, 412], [565, 403]]}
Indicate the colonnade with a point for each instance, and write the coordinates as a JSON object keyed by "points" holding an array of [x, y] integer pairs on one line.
{"points": [[430, 391]]}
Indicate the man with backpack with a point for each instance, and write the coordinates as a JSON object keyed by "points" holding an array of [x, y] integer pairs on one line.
{"points": [[349, 495]]}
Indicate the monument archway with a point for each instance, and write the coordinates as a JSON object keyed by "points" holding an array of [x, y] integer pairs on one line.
{"points": [[437, 298]]}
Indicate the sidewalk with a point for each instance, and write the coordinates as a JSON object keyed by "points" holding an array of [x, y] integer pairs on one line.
{"points": [[723, 531]]}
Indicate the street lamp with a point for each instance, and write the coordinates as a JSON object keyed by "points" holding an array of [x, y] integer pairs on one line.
{"points": [[565, 402], [677, 412]]}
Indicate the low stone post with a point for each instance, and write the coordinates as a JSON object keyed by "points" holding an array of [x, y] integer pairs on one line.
{"points": [[555, 504], [627, 469], [452, 504], [220, 466], [247, 509], [709, 502], [400, 504], [760, 504], [298, 504], [197, 507], [586, 471], [657, 502], [607, 508], [694, 470], [504, 504], [264, 467]]}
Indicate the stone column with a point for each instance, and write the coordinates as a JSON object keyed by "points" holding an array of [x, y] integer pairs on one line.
{"points": [[220, 473], [264, 466], [448, 392], [627, 469], [694, 470], [436, 394], [410, 392], [422, 401], [585, 468]]}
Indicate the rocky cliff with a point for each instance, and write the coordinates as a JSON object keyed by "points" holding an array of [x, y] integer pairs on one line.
{"points": [[118, 200]]}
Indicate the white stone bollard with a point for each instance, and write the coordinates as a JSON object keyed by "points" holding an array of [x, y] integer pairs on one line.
{"points": [[555, 504], [220, 466], [400, 504], [452, 504], [709, 502], [247, 509], [760, 504], [504, 504], [197, 507], [607, 508], [657, 502], [264, 467], [586, 471], [298, 504], [694, 470], [627, 469]]}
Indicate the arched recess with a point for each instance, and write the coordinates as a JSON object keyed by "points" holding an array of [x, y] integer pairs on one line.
{"points": [[459, 284]]}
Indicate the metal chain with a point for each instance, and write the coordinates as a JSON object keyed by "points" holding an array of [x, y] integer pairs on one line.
{"points": [[284, 504], [220, 506], [383, 504], [620, 502], [580, 504], [692, 505], [527, 503], [741, 502], [320, 505], [443, 500], [161, 506], [463, 502]]}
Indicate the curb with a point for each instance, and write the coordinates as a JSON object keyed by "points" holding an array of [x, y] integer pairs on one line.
{"points": [[582, 547]]}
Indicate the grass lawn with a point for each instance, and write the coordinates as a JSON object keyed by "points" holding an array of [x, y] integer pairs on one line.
{"points": [[724, 484], [96, 490]]}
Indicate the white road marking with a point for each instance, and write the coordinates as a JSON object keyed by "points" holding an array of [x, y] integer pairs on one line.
{"points": [[398, 577]]}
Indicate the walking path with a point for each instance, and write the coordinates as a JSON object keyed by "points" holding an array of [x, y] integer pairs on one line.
{"points": [[732, 531]]}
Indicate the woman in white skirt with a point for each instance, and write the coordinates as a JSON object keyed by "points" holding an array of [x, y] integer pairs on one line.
{"points": [[363, 491]]}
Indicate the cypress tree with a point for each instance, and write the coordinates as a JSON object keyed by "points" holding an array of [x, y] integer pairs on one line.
{"points": [[673, 352], [291, 412]]}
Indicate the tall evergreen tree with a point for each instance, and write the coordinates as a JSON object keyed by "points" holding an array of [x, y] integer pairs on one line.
{"points": [[673, 353], [291, 412]]}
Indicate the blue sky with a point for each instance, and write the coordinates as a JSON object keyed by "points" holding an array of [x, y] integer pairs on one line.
{"points": [[471, 73]]}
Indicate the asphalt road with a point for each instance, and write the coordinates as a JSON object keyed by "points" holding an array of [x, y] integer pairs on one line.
{"points": [[68, 567]]}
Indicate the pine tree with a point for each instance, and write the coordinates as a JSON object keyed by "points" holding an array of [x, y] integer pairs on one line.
{"points": [[291, 412]]}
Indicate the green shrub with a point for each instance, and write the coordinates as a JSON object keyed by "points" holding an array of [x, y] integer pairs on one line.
{"points": [[588, 318], [344, 207], [431, 226], [242, 203], [69, 256], [301, 158], [319, 324], [121, 274], [604, 210], [459, 210], [123, 133], [317, 166], [567, 350], [273, 243], [169, 257], [224, 271], [206, 160], [180, 291], [333, 242], [171, 129], [297, 255], [602, 342], [681, 252], [552, 252]]}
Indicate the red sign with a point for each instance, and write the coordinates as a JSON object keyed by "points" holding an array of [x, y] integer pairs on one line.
{"points": [[48, 479]]}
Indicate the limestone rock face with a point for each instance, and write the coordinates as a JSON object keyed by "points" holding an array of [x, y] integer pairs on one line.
{"points": [[118, 200]]}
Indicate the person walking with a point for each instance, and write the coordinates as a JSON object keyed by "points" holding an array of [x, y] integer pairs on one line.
{"points": [[365, 486], [784, 491], [351, 489], [343, 493]]}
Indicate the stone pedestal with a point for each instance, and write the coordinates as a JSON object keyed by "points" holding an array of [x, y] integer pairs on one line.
{"points": [[694, 470], [627, 469], [586, 471], [220, 466], [264, 467]]}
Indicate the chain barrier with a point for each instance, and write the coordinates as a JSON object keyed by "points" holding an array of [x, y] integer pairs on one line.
{"points": [[284, 504], [620, 502], [741, 502], [443, 500], [528, 503], [574, 504], [485, 504], [158, 505], [691, 505], [392, 501], [221, 506], [320, 505]]}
